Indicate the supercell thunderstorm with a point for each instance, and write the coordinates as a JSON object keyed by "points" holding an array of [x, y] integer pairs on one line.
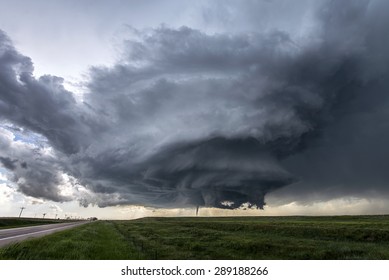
{"points": [[186, 118]]}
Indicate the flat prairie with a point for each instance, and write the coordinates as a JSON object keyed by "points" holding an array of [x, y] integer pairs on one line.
{"points": [[280, 238]]}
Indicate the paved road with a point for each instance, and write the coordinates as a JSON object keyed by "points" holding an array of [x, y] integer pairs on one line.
{"points": [[12, 235]]}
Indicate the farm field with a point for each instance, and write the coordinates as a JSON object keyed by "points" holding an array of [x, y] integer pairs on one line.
{"points": [[284, 238]]}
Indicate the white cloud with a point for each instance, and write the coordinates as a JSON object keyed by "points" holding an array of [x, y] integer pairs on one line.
{"points": [[7, 195], [3, 177]]}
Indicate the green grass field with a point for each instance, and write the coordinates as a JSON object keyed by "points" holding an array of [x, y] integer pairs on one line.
{"points": [[25, 222], [340, 237]]}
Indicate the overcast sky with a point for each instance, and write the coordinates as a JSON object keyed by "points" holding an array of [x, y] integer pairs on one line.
{"points": [[121, 109]]}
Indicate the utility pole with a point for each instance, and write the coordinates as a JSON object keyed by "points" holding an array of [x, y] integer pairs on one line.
{"points": [[21, 210]]}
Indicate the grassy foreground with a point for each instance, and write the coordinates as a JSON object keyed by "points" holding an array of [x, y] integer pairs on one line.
{"points": [[94, 241], [348, 237]]}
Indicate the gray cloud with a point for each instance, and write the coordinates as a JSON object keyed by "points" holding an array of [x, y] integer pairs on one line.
{"points": [[188, 118], [8, 163], [35, 170], [41, 105], [297, 17], [350, 155]]}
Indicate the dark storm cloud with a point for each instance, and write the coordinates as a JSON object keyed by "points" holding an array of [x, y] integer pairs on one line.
{"points": [[351, 155], [191, 124], [188, 118], [8, 163]]}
